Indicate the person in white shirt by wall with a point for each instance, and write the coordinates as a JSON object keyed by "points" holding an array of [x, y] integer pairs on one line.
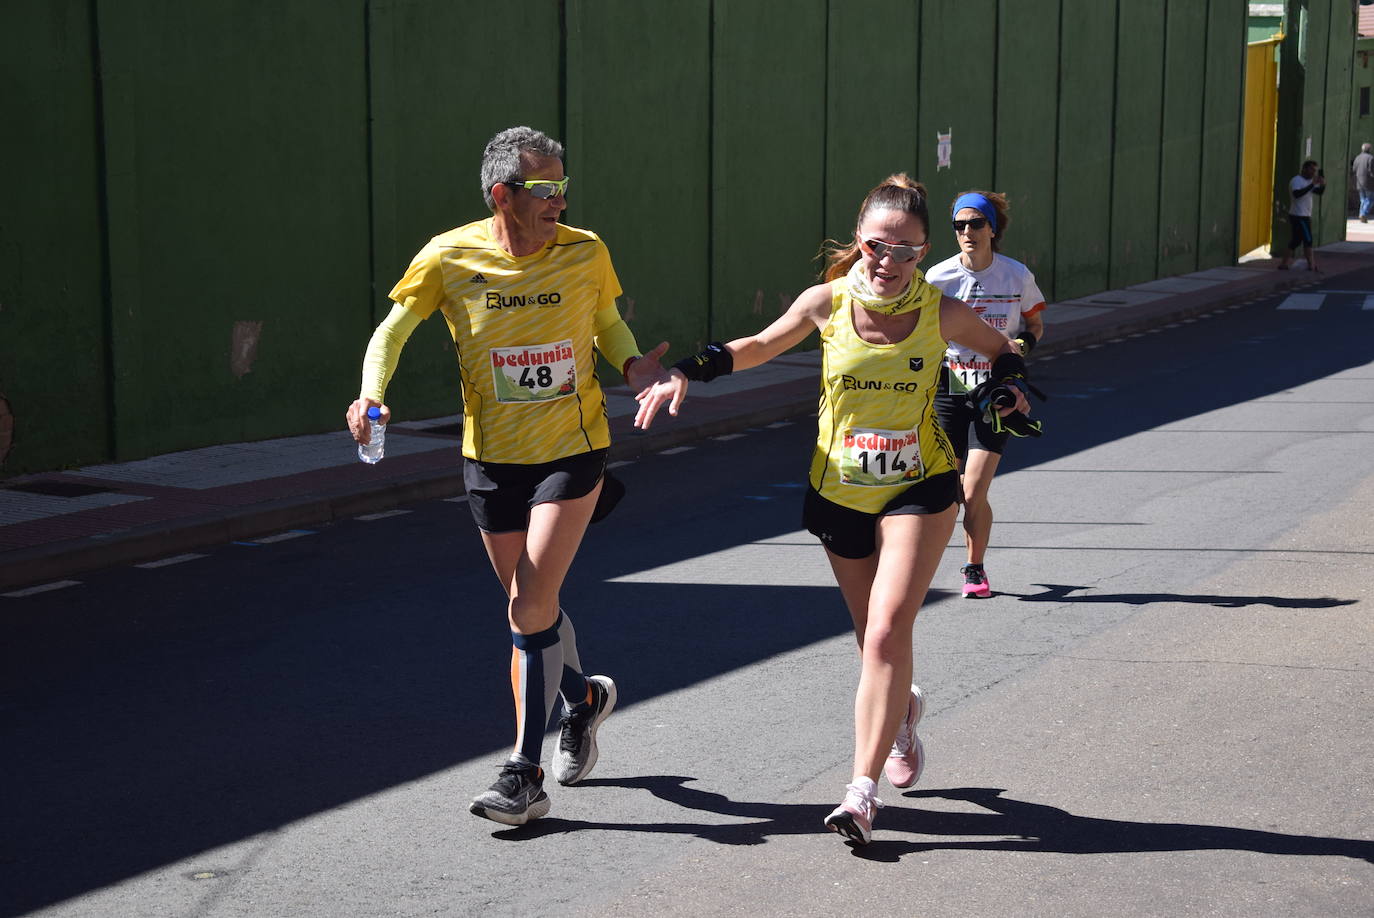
{"points": [[1301, 189]]}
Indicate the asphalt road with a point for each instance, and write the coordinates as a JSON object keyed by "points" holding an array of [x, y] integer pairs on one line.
{"points": [[1168, 708]]}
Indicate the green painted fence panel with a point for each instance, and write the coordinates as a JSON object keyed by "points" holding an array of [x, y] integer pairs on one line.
{"points": [[1185, 58], [767, 162], [1316, 33], [1288, 132], [1315, 53], [1136, 152], [871, 105], [958, 93], [1218, 223], [1340, 58], [1028, 131], [237, 164], [1083, 202], [641, 155], [441, 87], [53, 366]]}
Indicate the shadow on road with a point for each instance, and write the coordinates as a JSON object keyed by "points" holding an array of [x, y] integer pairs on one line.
{"points": [[1060, 593], [1010, 825]]}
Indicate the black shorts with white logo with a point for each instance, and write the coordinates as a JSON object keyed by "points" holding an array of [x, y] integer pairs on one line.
{"points": [[854, 534], [501, 494]]}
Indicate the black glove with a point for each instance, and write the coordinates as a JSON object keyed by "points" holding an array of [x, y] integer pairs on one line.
{"points": [[999, 391]]}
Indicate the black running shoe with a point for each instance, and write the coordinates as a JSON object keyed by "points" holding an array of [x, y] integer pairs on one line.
{"points": [[576, 752], [516, 797]]}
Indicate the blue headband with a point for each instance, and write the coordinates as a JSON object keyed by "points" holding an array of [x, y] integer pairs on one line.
{"points": [[979, 203]]}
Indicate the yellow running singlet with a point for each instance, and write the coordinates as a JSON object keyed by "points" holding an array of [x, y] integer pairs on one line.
{"points": [[877, 431]]}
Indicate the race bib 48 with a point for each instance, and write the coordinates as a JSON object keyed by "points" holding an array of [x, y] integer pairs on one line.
{"points": [[537, 373]]}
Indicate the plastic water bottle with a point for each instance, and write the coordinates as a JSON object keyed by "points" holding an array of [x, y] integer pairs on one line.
{"points": [[372, 452]]}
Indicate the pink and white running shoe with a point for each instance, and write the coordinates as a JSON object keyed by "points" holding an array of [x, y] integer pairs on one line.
{"points": [[907, 759], [854, 817], [976, 584]]}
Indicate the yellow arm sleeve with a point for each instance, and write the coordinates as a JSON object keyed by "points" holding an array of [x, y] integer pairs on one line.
{"points": [[613, 337], [384, 350]]}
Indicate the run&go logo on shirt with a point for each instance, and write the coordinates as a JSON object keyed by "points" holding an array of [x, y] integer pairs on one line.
{"points": [[853, 382], [496, 301]]}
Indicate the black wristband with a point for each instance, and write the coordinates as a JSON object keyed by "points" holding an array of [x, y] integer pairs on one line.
{"points": [[1028, 342], [714, 361]]}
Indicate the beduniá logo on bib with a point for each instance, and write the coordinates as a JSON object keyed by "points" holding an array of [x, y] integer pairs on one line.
{"points": [[875, 442], [531, 358], [496, 301]]}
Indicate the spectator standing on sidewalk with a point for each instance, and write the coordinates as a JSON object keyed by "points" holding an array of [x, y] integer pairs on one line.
{"points": [[1003, 293], [1363, 170], [526, 300], [883, 481], [1302, 189]]}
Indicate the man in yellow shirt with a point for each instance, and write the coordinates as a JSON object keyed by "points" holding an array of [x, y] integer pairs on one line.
{"points": [[528, 302]]}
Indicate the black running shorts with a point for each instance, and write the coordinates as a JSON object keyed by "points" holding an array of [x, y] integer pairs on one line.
{"points": [[502, 494], [854, 534]]}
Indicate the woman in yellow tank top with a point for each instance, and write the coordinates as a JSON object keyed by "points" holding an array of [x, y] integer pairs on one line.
{"points": [[883, 480]]}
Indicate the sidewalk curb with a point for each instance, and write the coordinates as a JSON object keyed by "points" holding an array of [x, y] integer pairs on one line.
{"points": [[64, 559]]}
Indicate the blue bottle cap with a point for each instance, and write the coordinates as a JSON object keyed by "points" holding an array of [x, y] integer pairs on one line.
{"points": [[374, 413]]}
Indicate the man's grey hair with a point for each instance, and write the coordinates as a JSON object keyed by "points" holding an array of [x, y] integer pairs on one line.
{"points": [[1365, 148], [502, 158]]}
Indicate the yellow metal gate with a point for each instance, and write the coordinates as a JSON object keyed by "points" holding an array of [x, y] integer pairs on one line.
{"points": [[1257, 166]]}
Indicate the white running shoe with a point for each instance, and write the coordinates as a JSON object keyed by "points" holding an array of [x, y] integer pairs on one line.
{"points": [[577, 752], [854, 817], [907, 759]]}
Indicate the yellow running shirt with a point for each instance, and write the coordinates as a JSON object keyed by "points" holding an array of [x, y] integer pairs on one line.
{"points": [[523, 329], [877, 429]]}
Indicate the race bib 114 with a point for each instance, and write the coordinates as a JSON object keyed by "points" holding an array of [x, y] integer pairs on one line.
{"points": [[880, 458]]}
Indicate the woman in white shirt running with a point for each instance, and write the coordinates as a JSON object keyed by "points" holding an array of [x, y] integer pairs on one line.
{"points": [[1004, 294]]}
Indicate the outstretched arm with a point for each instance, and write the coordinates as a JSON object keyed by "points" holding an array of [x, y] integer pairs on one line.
{"points": [[810, 311]]}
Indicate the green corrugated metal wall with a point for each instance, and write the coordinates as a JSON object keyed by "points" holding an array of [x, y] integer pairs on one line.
{"points": [[1139, 112], [1223, 128], [641, 182], [767, 191], [217, 198], [236, 187], [54, 366], [1028, 51], [1087, 72]]}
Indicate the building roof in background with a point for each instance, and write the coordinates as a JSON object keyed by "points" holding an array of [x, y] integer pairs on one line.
{"points": [[1365, 26]]}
